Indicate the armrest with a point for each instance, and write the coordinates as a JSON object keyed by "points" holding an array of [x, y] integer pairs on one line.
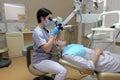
{"points": [[108, 76]]}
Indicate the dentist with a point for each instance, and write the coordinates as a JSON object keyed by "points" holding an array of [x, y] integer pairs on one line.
{"points": [[44, 42]]}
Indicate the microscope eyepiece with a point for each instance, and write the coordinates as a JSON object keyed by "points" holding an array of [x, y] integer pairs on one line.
{"points": [[50, 18]]}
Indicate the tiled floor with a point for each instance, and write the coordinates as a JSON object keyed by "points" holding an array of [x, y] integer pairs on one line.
{"points": [[17, 70]]}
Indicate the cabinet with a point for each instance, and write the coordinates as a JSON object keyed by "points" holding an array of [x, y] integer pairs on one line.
{"points": [[27, 38], [16, 41], [15, 44]]}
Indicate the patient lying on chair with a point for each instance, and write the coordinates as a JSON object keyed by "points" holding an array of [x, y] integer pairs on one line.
{"points": [[93, 59]]}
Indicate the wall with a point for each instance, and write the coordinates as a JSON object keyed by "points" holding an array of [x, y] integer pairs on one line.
{"points": [[4, 21], [60, 8], [110, 19]]}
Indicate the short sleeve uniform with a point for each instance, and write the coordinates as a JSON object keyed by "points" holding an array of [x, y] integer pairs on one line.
{"points": [[40, 37]]}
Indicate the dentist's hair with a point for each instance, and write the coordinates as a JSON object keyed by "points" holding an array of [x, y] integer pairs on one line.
{"points": [[42, 12]]}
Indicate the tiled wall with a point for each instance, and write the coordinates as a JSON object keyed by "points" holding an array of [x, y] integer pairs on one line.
{"points": [[15, 26]]}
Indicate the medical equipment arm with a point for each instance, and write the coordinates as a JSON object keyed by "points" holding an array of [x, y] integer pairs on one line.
{"points": [[62, 24], [77, 3], [77, 10], [70, 17]]}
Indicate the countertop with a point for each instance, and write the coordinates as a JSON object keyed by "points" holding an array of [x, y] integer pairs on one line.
{"points": [[20, 32]]}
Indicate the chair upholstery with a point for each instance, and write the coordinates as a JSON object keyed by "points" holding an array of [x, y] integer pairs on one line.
{"points": [[27, 52], [108, 76], [82, 71], [34, 71], [100, 75]]}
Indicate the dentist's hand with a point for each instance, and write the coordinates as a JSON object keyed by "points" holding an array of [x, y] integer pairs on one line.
{"points": [[55, 31]]}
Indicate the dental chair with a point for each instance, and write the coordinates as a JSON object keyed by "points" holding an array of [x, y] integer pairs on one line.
{"points": [[27, 52], [100, 75]]}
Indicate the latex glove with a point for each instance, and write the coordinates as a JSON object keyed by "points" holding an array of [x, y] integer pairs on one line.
{"points": [[55, 31]]}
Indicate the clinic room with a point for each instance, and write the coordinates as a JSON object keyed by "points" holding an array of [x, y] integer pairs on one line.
{"points": [[59, 40]]}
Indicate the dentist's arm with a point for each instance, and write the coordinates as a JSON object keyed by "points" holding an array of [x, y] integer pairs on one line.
{"points": [[48, 46]]}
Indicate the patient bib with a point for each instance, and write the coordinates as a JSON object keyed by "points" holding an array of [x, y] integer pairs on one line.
{"points": [[75, 49]]}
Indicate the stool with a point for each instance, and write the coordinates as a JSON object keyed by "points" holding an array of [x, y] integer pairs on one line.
{"points": [[26, 51]]}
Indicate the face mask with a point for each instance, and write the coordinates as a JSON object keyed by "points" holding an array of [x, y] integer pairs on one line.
{"points": [[48, 23]]}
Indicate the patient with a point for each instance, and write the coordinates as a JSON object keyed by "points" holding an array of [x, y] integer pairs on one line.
{"points": [[93, 59]]}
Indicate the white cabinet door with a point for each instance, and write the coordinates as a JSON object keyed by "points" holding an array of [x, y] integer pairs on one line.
{"points": [[15, 44]]}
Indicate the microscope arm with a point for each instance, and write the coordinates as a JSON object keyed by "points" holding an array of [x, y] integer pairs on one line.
{"points": [[69, 17]]}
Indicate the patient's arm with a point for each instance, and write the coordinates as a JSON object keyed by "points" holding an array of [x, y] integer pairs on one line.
{"points": [[95, 58], [79, 62]]}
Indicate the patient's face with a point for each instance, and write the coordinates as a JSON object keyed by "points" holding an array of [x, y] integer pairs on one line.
{"points": [[60, 43]]}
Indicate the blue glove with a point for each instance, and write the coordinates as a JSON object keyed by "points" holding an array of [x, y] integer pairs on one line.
{"points": [[55, 31]]}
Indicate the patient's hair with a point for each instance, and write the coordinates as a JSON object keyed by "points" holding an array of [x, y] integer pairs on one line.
{"points": [[43, 12]]}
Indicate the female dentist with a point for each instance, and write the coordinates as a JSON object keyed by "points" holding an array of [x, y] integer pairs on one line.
{"points": [[43, 44]]}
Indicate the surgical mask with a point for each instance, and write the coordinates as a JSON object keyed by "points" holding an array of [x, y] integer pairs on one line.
{"points": [[48, 23]]}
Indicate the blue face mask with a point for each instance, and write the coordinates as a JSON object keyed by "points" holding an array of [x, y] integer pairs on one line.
{"points": [[48, 23]]}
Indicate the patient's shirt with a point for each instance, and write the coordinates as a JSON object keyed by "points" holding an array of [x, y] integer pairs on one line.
{"points": [[108, 63]]}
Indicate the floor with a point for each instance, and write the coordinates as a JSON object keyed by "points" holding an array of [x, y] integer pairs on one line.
{"points": [[17, 70]]}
